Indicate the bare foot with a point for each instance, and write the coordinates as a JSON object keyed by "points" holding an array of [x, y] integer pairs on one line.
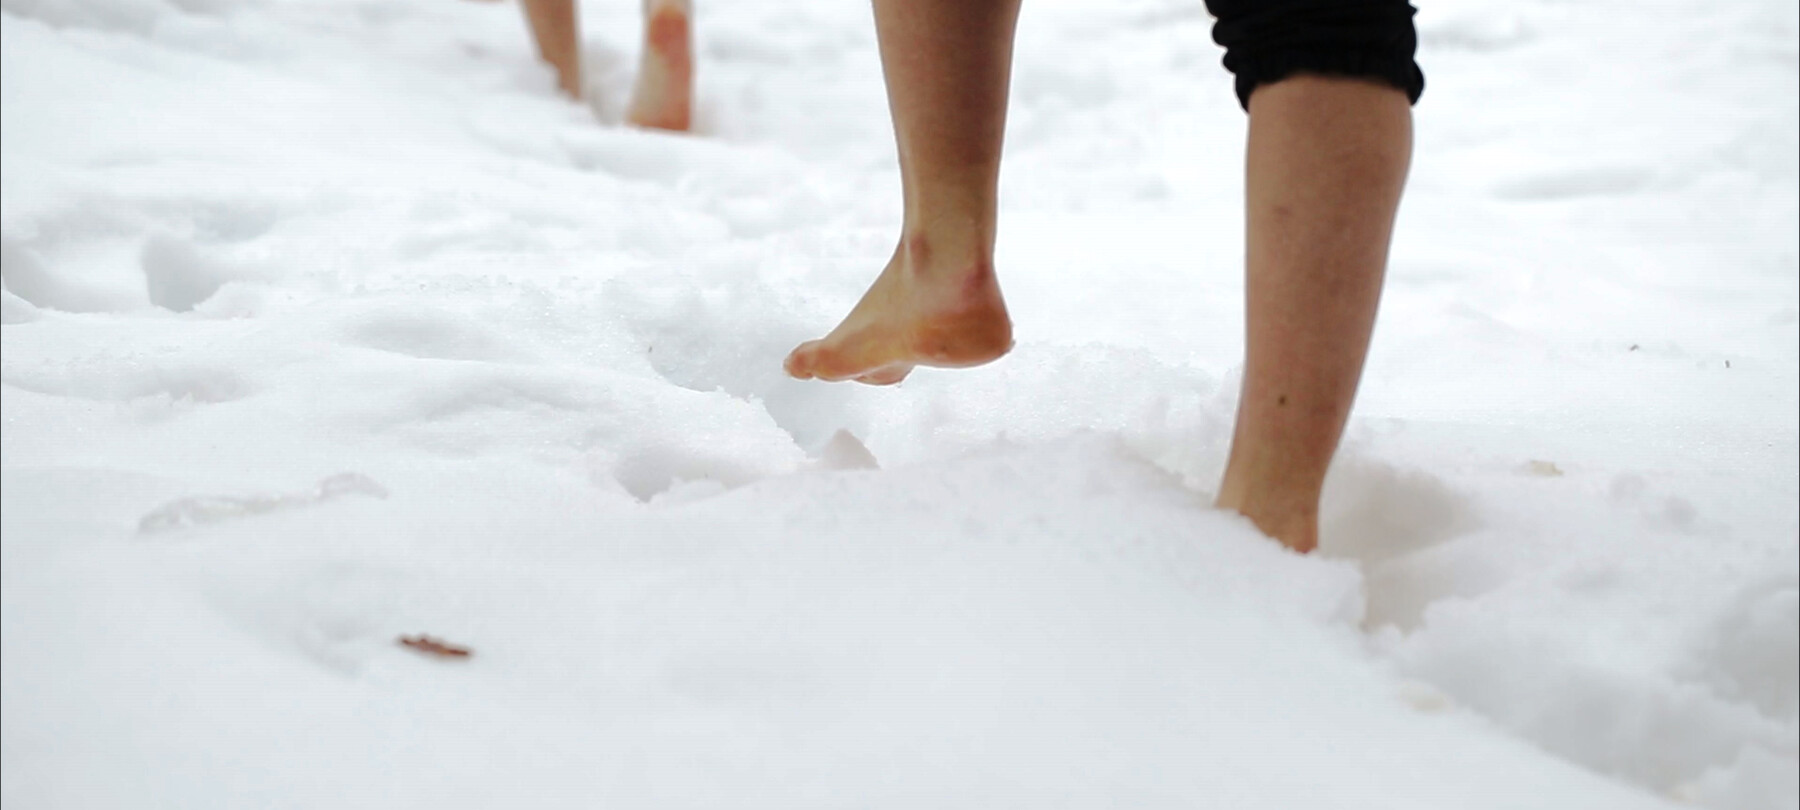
{"points": [[664, 95], [556, 29], [911, 316]]}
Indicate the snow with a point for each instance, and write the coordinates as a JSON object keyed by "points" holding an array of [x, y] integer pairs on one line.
{"points": [[328, 322]]}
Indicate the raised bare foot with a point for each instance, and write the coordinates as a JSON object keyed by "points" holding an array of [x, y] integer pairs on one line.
{"points": [[664, 95], [913, 315]]}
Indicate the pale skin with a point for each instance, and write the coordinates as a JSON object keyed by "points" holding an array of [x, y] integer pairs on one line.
{"points": [[663, 97], [1326, 161]]}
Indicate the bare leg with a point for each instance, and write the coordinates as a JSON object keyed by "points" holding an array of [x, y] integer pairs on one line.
{"points": [[1326, 162], [937, 303], [663, 98], [558, 33]]}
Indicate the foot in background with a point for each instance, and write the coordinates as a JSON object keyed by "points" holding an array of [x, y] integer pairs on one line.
{"points": [[557, 32], [664, 96]]}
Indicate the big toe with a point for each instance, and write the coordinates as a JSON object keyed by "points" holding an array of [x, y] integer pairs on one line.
{"points": [[799, 362]]}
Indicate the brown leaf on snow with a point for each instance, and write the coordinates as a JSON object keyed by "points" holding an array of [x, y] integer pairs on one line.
{"points": [[433, 646]]}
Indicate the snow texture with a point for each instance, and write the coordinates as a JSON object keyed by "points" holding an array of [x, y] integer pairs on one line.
{"points": [[329, 322]]}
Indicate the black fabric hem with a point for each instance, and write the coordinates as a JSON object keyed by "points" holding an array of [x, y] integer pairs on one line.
{"points": [[1399, 71]]}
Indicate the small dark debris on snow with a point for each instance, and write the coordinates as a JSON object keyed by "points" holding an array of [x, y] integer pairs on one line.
{"points": [[1634, 347], [434, 647]]}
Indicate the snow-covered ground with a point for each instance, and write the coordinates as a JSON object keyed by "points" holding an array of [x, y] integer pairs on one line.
{"points": [[328, 322]]}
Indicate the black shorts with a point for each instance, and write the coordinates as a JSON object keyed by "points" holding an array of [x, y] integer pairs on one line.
{"points": [[1268, 40]]}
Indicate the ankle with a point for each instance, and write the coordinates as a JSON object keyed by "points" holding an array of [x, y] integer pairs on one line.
{"points": [[1299, 532], [1290, 518], [938, 258]]}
